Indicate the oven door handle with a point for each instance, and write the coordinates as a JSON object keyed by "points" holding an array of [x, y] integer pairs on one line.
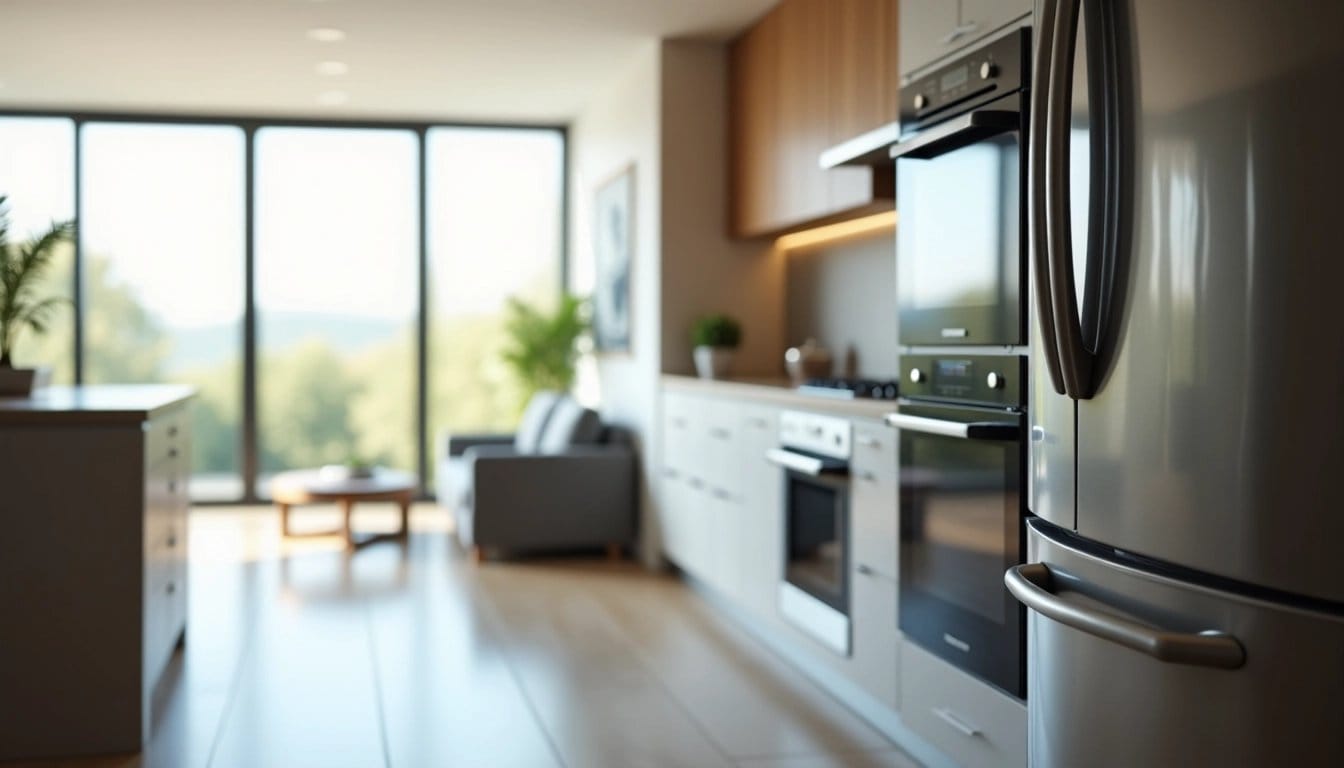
{"points": [[976, 430], [799, 462], [956, 133]]}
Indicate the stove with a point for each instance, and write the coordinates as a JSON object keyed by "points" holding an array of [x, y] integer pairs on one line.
{"points": [[851, 389]]}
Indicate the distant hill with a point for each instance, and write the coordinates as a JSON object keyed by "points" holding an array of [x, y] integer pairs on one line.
{"points": [[212, 345]]}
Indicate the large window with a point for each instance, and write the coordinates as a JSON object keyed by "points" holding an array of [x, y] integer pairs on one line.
{"points": [[163, 239], [494, 212], [338, 231], [316, 359], [37, 174]]}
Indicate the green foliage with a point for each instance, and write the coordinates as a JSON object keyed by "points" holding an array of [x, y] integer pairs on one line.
{"points": [[21, 268], [542, 347], [716, 331]]}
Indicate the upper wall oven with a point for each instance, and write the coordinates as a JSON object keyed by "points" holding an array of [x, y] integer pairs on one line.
{"points": [[960, 187]]}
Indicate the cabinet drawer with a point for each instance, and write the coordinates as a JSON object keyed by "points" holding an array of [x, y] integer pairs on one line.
{"points": [[873, 530], [875, 663], [165, 437], [875, 450], [973, 723]]}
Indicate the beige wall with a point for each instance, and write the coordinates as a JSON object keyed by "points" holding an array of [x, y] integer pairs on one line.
{"points": [[703, 269], [845, 297], [668, 115]]}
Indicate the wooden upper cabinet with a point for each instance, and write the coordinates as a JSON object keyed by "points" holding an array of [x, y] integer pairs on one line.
{"points": [[811, 74]]}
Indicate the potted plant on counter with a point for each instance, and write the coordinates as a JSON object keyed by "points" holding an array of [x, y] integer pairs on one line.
{"points": [[715, 338], [21, 268]]}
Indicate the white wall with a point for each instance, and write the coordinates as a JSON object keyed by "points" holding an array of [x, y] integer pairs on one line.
{"points": [[620, 128]]}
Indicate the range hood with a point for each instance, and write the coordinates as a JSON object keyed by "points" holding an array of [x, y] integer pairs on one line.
{"points": [[869, 149]]}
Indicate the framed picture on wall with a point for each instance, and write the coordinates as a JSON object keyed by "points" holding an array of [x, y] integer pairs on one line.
{"points": [[613, 257]]}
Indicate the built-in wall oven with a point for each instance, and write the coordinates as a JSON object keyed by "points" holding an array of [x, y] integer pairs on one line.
{"points": [[962, 295], [962, 458], [813, 455], [960, 183]]}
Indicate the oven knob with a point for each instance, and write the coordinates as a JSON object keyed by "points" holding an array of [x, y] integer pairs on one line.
{"points": [[916, 375], [994, 381], [988, 70], [921, 101]]}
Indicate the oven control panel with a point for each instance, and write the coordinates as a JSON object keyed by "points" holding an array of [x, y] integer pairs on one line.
{"points": [[973, 379], [990, 71], [813, 432]]}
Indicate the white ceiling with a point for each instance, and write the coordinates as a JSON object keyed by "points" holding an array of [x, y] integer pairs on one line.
{"points": [[489, 60]]}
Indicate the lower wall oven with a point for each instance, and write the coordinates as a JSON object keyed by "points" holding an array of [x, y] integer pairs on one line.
{"points": [[961, 509], [814, 456]]}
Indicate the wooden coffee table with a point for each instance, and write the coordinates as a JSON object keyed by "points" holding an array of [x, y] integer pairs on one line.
{"points": [[310, 486]]}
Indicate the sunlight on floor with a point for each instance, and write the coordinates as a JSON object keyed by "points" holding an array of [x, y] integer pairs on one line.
{"points": [[236, 534]]}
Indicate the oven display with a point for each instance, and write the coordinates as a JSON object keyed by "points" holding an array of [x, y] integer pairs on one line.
{"points": [[954, 78], [954, 378]]}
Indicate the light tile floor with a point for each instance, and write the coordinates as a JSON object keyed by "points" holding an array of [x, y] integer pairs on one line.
{"points": [[299, 654]]}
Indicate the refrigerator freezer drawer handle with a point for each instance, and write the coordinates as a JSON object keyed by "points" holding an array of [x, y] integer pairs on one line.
{"points": [[957, 723], [1031, 584], [981, 430]]}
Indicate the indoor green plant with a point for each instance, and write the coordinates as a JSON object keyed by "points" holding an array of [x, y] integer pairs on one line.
{"points": [[543, 346], [21, 268], [715, 338]]}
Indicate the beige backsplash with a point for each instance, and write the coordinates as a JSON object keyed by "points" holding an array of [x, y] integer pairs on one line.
{"points": [[845, 297]]}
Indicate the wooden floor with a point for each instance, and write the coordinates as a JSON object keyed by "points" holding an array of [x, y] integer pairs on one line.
{"points": [[299, 654]]}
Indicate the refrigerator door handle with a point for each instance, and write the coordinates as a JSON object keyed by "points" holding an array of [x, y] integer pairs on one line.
{"points": [[1038, 200], [1074, 359], [1032, 585]]}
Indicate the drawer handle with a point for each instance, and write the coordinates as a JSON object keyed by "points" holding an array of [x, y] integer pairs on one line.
{"points": [[866, 570], [172, 486], [172, 431], [957, 723], [721, 494], [172, 587], [670, 473], [172, 540], [719, 433], [868, 476], [697, 483], [172, 453], [870, 442], [760, 423]]}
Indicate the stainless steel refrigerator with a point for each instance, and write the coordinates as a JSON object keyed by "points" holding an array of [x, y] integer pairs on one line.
{"points": [[1185, 571]]}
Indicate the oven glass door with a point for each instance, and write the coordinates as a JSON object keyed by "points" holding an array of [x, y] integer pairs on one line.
{"points": [[817, 533], [959, 243], [961, 528]]}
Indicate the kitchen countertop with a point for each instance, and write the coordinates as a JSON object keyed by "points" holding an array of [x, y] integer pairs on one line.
{"points": [[101, 404], [781, 392]]}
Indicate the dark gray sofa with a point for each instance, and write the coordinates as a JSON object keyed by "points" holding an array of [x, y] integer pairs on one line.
{"points": [[564, 481]]}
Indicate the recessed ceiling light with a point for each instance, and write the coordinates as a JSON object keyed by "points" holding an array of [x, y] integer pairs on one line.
{"points": [[332, 98], [332, 68], [326, 34]]}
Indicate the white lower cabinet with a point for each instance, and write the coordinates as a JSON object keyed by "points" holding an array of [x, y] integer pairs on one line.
{"points": [[762, 550], [974, 724], [875, 638]]}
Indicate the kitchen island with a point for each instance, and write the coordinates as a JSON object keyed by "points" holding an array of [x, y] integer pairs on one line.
{"points": [[93, 564]]}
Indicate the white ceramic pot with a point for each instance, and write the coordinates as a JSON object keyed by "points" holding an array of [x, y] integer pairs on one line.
{"points": [[22, 382], [713, 362]]}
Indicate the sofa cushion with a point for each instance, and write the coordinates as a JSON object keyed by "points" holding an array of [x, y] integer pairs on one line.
{"points": [[570, 424], [533, 425]]}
